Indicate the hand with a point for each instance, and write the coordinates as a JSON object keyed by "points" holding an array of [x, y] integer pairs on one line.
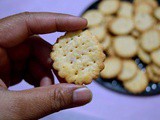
{"points": [[24, 55]]}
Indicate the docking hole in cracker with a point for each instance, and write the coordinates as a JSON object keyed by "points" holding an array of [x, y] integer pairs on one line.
{"points": [[78, 57]]}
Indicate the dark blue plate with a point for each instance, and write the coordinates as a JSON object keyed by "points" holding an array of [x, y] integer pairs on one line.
{"points": [[116, 85]]}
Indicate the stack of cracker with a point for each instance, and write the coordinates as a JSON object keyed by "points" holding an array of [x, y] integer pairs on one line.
{"points": [[127, 30]]}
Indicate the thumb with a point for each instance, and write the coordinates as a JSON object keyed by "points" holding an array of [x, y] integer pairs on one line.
{"points": [[39, 102]]}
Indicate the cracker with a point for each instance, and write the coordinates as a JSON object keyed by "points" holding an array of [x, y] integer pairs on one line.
{"points": [[99, 32], [155, 69], [157, 13], [107, 20], [121, 26], [108, 7], [78, 57], [144, 56], [152, 3], [143, 22], [110, 51], [106, 42], [137, 84], [150, 40], [125, 46], [154, 78], [126, 9], [94, 17], [129, 70], [156, 57], [143, 7], [113, 67]]}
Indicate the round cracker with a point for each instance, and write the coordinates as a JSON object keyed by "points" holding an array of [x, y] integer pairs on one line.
{"points": [[137, 84], [126, 9], [152, 3], [110, 51], [121, 26], [107, 20], [154, 78], [106, 42], [99, 32], [94, 17], [113, 67], [129, 70], [144, 56], [143, 22], [108, 7], [157, 13], [150, 40], [155, 69], [156, 57], [143, 7], [78, 57], [125, 46]]}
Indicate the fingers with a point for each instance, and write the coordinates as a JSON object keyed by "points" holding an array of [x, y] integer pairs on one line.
{"points": [[2, 85], [17, 71], [43, 76], [41, 51], [45, 81], [15, 29], [39, 102], [4, 66], [18, 56], [19, 52]]}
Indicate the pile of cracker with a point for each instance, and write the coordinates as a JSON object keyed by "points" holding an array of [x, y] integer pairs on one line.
{"points": [[127, 30]]}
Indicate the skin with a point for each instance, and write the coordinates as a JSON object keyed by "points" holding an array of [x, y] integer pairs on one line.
{"points": [[24, 55]]}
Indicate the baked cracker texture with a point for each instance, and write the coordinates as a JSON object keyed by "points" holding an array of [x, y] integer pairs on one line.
{"points": [[78, 57]]}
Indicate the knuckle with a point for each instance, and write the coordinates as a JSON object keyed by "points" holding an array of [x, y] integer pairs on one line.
{"points": [[27, 17], [58, 99]]}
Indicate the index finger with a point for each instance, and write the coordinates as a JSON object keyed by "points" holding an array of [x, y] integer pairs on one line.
{"points": [[15, 29]]}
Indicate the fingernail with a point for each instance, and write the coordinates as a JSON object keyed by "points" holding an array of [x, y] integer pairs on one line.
{"points": [[45, 81], [82, 96]]}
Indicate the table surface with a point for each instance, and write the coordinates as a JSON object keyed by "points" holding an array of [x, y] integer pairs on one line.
{"points": [[106, 104]]}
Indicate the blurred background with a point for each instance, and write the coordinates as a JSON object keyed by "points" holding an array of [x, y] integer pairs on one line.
{"points": [[106, 104]]}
